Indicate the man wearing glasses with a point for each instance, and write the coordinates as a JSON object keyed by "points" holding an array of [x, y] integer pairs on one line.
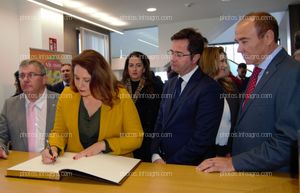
{"points": [[188, 122], [26, 119]]}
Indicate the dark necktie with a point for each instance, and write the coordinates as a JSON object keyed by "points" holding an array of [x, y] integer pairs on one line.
{"points": [[177, 89], [251, 84]]}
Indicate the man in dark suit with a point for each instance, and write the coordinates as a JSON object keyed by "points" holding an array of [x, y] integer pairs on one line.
{"points": [[187, 122], [65, 73], [265, 137], [242, 71], [14, 121]]}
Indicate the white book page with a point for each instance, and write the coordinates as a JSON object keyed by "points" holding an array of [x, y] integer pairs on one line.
{"points": [[108, 167], [36, 164]]}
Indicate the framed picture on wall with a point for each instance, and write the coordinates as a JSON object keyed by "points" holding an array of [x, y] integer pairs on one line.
{"points": [[52, 61]]}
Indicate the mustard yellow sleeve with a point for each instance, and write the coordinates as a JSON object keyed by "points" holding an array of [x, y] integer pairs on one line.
{"points": [[132, 133], [59, 134]]}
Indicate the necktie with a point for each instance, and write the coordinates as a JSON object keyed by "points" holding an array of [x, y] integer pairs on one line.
{"points": [[31, 134], [177, 89], [251, 84]]}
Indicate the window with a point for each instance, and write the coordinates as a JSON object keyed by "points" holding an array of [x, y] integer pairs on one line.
{"points": [[89, 39]]}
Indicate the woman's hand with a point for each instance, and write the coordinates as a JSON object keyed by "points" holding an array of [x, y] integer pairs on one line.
{"points": [[49, 155], [159, 161], [92, 150]]}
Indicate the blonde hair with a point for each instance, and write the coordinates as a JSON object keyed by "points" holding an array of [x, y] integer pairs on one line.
{"points": [[209, 64]]}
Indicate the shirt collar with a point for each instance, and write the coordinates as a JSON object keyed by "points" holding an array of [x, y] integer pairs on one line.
{"points": [[269, 58], [65, 83], [38, 103], [187, 76]]}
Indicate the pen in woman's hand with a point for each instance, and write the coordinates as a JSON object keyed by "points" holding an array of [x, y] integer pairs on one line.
{"points": [[50, 151]]}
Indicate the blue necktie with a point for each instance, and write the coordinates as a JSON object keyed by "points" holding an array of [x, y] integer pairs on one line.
{"points": [[177, 89]]}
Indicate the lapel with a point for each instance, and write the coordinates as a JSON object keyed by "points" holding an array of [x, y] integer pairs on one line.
{"points": [[171, 90], [268, 73], [74, 116], [21, 106], [104, 123], [187, 91]]}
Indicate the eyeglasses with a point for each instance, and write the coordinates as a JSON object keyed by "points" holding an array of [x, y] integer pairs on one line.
{"points": [[30, 75], [177, 54]]}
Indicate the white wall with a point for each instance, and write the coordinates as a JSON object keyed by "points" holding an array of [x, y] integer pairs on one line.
{"points": [[52, 26], [9, 47], [30, 28], [22, 27], [37, 25]]}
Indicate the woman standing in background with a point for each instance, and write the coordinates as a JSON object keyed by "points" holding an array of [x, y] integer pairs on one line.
{"points": [[145, 92], [213, 62]]}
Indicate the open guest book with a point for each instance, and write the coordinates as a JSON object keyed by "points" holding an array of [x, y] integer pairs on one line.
{"points": [[101, 167]]}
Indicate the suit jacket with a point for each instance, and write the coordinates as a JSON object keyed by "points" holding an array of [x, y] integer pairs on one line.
{"points": [[58, 87], [120, 126], [186, 133], [244, 84], [265, 136], [13, 127]]}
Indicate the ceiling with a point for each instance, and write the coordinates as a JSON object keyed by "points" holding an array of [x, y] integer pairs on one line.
{"points": [[134, 13]]}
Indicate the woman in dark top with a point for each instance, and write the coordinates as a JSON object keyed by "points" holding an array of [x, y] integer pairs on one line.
{"points": [[145, 91], [213, 62]]}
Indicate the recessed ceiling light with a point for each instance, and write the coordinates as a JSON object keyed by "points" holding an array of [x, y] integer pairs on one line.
{"points": [[151, 9], [225, 0]]}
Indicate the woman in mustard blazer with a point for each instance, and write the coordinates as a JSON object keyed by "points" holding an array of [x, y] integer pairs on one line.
{"points": [[95, 114]]}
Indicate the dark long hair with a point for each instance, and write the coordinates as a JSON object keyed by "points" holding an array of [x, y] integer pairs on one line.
{"points": [[104, 85], [147, 74]]}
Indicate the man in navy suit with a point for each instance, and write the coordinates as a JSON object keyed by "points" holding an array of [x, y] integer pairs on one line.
{"points": [[265, 137], [66, 79], [188, 122]]}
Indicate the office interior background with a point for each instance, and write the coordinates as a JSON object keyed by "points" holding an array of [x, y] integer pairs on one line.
{"points": [[117, 27]]}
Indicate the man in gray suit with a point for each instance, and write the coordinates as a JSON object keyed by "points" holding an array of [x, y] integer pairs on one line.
{"points": [[14, 121], [265, 137]]}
